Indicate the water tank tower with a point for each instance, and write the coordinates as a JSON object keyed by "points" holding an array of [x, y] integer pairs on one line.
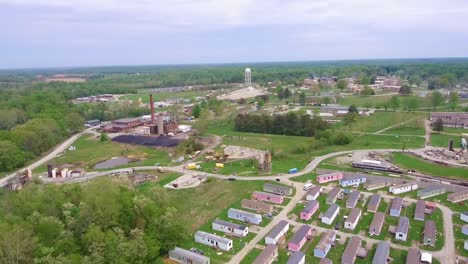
{"points": [[248, 77]]}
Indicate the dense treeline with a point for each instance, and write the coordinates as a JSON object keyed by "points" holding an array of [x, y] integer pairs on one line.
{"points": [[103, 221]]}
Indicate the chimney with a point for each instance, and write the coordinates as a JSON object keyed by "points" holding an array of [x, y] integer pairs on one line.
{"points": [[161, 125], [152, 109]]}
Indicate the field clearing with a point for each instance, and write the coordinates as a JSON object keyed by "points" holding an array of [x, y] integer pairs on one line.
{"points": [[442, 140], [89, 151], [407, 161], [383, 119], [379, 100]]}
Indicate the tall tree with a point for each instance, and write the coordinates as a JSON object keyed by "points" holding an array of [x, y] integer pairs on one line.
{"points": [[74, 122], [438, 125], [436, 99], [394, 102], [302, 98], [341, 84], [326, 100], [453, 100]]}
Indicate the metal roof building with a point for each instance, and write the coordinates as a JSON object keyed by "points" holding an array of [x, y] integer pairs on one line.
{"points": [[381, 253], [374, 202], [349, 255], [420, 210], [353, 199]]}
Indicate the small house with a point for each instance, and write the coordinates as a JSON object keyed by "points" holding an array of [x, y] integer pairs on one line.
{"points": [[325, 244], [300, 237], [375, 227], [277, 189], [213, 240], [401, 232], [464, 216], [330, 214], [374, 203], [244, 216], [297, 257], [397, 204], [309, 210], [267, 256], [351, 250], [431, 191], [326, 261], [402, 188], [328, 177], [313, 193], [458, 196], [333, 195], [257, 206], [414, 256], [465, 230], [466, 245], [277, 232], [184, 256], [374, 185], [352, 181], [381, 253], [230, 228], [353, 199], [268, 197], [353, 218], [430, 233], [420, 210]]}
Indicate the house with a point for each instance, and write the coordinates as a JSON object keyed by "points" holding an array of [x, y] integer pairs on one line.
{"points": [[351, 181], [465, 229], [458, 196], [451, 119], [325, 243], [328, 177], [464, 216], [420, 210], [230, 228], [297, 257], [333, 195], [213, 240], [184, 256], [353, 199], [381, 253], [244, 216], [257, 206], [330, 214], [325, 261], [92, 123], [351, 250], [431, 191], [353, 218], [397, 204], [309, 210], [402, 188], [376, 225], [277, 232], [377, 184], [466, 245], [277, 189], [263, 196], [402, 228], [313, 193], [374, 203], [268, 255], [414, 256], [299, 238], [430, 233]]}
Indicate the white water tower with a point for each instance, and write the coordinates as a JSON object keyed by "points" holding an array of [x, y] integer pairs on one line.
{"points": [[248, 77]]}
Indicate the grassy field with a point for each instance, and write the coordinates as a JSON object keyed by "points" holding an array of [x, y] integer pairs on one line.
{"points": [[407, 161], [383, 119], [89, 151], [442, 140], [452, 130], [376, 101]]}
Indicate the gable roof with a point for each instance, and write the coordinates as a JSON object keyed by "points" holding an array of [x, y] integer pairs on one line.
{"points": [[277, 229], [351, 250], [331, 211], [310, 206], [403, 225], [353, 216], [229, 224], [430, 230], [300, 234], [381, 254], [397, 203]]}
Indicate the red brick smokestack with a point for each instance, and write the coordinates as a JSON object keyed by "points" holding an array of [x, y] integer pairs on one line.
{"points": [[152, 109]]}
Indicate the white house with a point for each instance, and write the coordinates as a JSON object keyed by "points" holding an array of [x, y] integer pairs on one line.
{"points": [[402, 188], [184, 256], [466, 244], [230, 228], [353, 219], [330, 214], [402, 229], [213, 240], [464, 216], [313, 193], [277, 232]]}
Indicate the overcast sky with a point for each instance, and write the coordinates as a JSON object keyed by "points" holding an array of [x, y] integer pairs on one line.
{"points": [[50, 33]]}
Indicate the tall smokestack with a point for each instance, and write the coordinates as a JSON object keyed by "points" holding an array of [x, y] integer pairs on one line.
{"points": [[160, 125], [152, 109]]}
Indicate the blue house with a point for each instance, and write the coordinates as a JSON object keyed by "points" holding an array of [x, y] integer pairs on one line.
{"points": [[350, 181]]}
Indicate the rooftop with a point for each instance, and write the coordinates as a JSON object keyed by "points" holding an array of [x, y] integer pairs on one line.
{"points": [[353, 216], [277, 229], [331, 211], [229, 224], [302, 232], [403, 225]]}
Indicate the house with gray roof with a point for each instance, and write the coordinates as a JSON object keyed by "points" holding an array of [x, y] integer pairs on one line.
{"points": [[351, 250], [381, 253], [464, 216], [414, 256], [333, 195], [258, 206], [268, 255], [402, 228], [330, 214], [431, 191], [244, 216], [314, 192], [465, 229], [277, 232], [374, 203], [299, 238], [230, 228], [353, 219], [457, 197], [374, 185], [430, 233], [353, 199], [213, 240], [184, 256], [325, 244], [397, 204], [297, 257], [352, 180], [420, 210], [277, 189], [375, 227]]}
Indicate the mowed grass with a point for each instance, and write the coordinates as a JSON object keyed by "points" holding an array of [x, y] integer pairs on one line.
{"points": [[442, 140], [407, 161], [383, 119], [90, 150]]}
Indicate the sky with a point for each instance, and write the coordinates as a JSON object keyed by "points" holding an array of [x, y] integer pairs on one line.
{"points": [[66, 33]]}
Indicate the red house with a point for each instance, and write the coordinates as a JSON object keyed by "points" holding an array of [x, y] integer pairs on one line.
{"points": [[268, 197], [334, 176], [299, 238], [310, 209]]}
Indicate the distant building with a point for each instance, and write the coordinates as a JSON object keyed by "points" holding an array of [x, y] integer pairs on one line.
{"points": [[397, 204], [431, 191], [184, 256], [313, 193], [330, 214], [377, 184], [277, 189], [334, 176], [430, 233], [325, 244], [268, 197], [353, 218], [299, 238], [402, 229], [351, 250], [297, 257], [268, 255], [230, 228], [458, 196], [374, 203], [257, 206], [351, 181], [451, 119], [277, 232], [309, 210], [244, 216], [213, 240], [402, 188], [376, 225], [381, 253], [420, 210], [333, 195], [353, 199]]}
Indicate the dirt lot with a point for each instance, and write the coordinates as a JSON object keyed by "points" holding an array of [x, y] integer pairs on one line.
{"points": [[242, 93]]}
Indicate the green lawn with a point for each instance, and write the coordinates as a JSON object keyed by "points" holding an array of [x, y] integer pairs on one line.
{"points": [[383, 119], [455, 130], [459, 236], [250, 258], [407, 161], [442, 140], [89, 151]]}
